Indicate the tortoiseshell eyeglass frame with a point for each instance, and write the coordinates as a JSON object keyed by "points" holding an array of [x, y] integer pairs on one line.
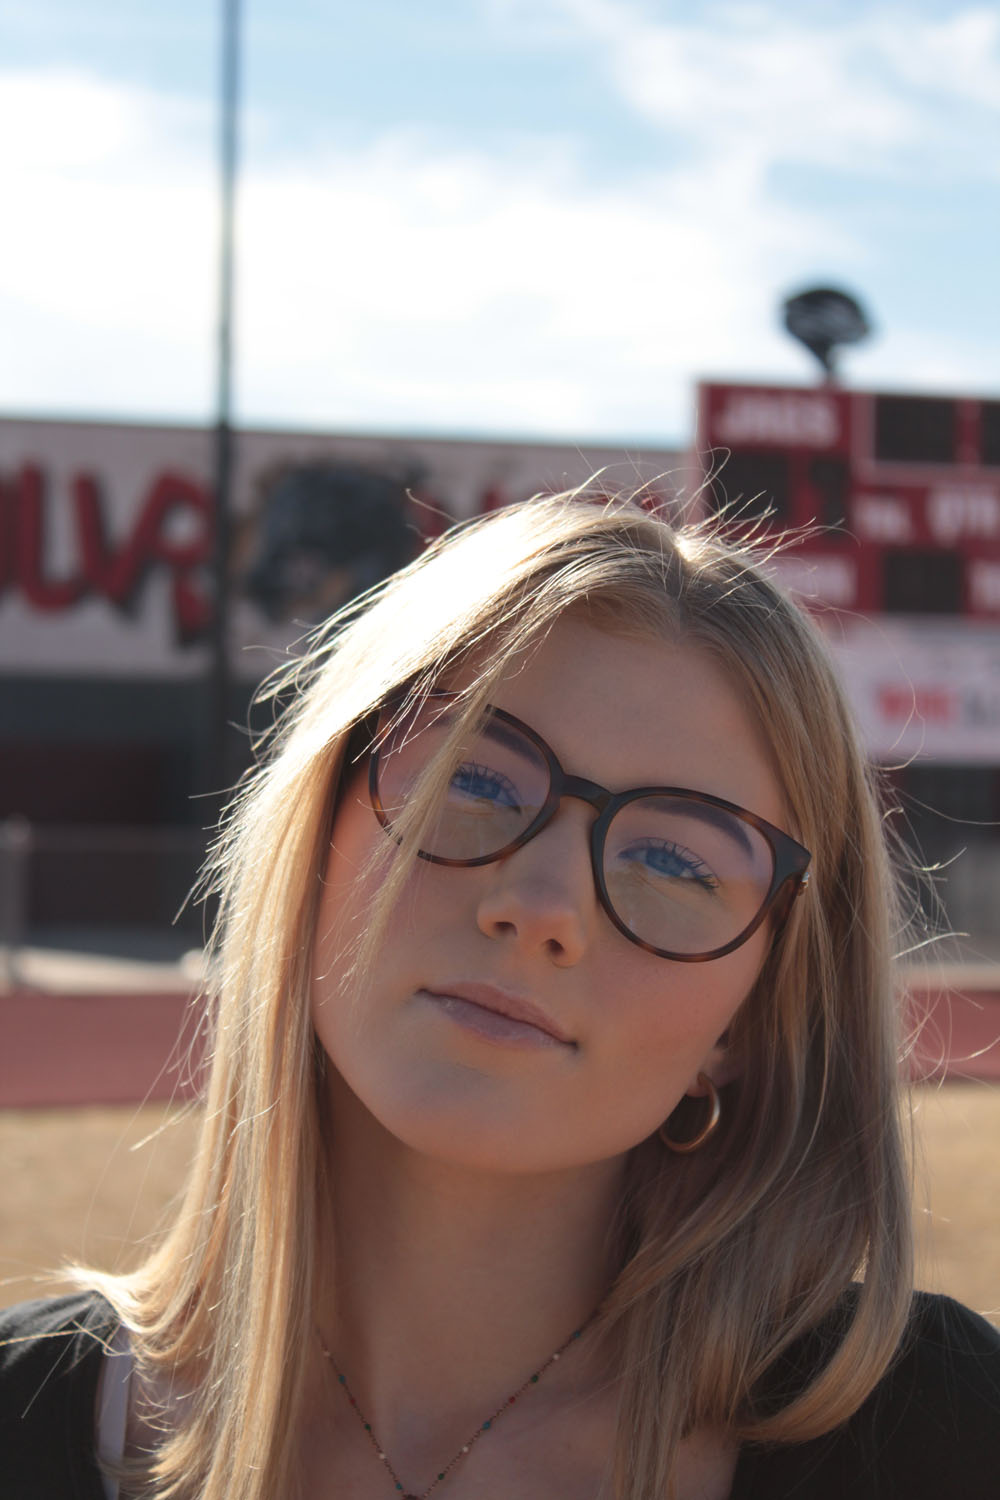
{"points": [[790, 860]]}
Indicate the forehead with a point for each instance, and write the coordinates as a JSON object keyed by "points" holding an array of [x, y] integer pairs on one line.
{"points": [[636, 711]]}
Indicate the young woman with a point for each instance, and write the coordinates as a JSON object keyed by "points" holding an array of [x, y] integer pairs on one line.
{"points": [[551, 1144]]}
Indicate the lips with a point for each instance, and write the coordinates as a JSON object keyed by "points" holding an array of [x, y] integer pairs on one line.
{"points": [[500, 1002]]}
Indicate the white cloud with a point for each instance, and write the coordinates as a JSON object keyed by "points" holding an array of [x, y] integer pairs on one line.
{"points": [[108, 205], [404, 284], [873, 91], [414, 284], [957, 59]]}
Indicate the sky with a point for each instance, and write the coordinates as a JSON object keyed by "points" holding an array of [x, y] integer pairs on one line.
{"points": [[535, 218]]}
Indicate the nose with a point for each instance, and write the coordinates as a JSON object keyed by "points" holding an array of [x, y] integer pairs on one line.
{"points": [[541, 898]]}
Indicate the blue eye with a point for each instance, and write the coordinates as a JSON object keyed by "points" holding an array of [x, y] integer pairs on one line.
{"points": [[485, 785], [666, 860]]}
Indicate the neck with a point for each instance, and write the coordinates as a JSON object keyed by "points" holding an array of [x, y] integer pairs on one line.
{"points": [[445, 1288]]}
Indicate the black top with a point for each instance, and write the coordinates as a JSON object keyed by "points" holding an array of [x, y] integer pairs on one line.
{"points": [[930, 1429], [50, 1362]]}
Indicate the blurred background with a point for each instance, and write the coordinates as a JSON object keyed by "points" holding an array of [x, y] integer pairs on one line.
{"points": [[284, 290]]}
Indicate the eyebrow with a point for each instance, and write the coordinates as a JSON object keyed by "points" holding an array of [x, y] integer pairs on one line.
{"points": [[512, 739], [718, 817]]}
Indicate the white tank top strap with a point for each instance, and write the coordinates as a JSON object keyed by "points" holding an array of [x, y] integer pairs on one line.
{"points": [[112, 1406]]}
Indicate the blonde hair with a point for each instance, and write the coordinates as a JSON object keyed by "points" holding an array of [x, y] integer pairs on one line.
{"points": [[727, 1256]]}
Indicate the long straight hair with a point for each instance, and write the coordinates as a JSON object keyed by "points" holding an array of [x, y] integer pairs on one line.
{"points": [[726, 1256]]}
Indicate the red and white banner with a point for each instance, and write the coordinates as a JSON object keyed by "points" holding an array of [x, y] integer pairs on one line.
{"points": [[106, 537], [923, 690], [106, 532]]}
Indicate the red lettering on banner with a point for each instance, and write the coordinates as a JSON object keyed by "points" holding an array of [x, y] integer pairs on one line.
{"points": [[933, 705], [29, 549], [114, 573]]}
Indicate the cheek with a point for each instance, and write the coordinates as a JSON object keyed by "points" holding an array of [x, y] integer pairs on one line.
{"points": [[356, 832], [347, 888], [677, 1014]]}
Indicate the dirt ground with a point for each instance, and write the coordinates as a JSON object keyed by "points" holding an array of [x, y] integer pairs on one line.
{"points": [[94, 1185]]}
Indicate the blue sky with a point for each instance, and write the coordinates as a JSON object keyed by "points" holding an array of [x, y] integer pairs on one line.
{"points": [[524, 217]]}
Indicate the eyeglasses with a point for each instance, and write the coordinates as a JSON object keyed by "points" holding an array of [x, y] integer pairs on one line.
{"points": [[682, 874]]}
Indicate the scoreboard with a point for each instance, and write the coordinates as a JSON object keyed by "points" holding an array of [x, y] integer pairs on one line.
{"points": [[900, 493]]}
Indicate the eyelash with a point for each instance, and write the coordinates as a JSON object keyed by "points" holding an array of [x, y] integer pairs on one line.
{"points": [[471, 772], [700, 873]]}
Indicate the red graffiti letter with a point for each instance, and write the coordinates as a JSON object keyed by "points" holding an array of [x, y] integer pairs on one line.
{"points": [[30, 545]]}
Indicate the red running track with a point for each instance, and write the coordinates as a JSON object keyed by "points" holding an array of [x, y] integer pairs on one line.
{"points": [[95, 1049], [958, 1033], [73, 1049]]}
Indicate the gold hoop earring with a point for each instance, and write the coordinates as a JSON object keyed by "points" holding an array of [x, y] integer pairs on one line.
{"points": [[714, 1115]]}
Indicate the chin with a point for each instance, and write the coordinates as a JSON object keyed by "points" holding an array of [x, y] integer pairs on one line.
{"points": [[485, 1140]]}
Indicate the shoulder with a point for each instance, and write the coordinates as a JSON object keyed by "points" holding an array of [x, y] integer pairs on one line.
{"points": [[53, 1333], [942, 1393], [949, 1344], [50, 1362], [930, 1428]]}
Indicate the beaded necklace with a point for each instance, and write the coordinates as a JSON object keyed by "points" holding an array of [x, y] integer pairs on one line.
{"points": [[483, 1427]]}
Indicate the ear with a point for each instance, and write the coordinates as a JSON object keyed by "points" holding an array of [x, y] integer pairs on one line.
{"points": [[722, 1065]]}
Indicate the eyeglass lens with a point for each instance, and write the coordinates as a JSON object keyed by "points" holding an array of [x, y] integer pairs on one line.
{"points": [[680, 875]]}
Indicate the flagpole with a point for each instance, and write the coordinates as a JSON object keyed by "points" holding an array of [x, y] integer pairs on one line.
{"points": [[220, 670]]}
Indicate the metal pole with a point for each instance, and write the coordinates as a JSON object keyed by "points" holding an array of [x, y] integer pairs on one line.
{"points": [[16, 841], [220, 672]]}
